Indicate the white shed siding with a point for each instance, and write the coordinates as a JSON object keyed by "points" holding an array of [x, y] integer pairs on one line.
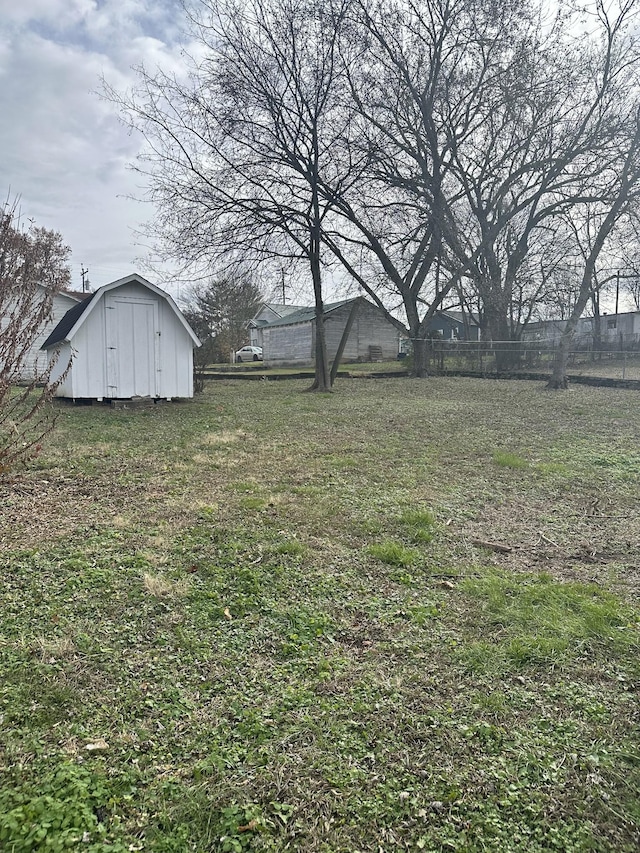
{"points": [[88, 370], [64, 353], [176, 356], [86, 373]]}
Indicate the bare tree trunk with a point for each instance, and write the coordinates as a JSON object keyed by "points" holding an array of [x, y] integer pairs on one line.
{"points": [[626, 192], [596, 344], [500, 334], [343, 341], [322, 380], [419, 370], [558, 380]]}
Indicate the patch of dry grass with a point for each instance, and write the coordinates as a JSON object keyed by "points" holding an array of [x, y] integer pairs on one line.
{"points": [[54, 648], [162, 587]]}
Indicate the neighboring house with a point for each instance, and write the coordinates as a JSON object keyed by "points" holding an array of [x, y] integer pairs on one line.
{"points": [[455, 325], [128, 339], [267, 313], [290, 339], [549, 331], [615, 330], [36, 361]]}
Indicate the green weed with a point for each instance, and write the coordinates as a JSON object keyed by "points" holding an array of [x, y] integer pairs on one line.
{"points": [[505, 459], [66, 811], [419, 524], [291, 548], [253, 503], [539, 621], [393, 554]]}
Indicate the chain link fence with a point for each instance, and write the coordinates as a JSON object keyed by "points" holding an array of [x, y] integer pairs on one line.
{"points": [[616, 359]]}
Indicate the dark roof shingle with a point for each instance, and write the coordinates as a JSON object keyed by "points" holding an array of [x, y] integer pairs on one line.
{"points": [[67, 323]]}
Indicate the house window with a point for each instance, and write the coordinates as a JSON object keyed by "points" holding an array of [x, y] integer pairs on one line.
{"points": [[611, 322]]}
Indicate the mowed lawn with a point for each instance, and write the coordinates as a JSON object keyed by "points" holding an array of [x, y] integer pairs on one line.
{"points": [[403, 616]]}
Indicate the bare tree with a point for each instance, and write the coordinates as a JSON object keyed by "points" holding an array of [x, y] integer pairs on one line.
{"points": [[433, 84], [235, 153], [545, 146], [622, 192], [485, 122], [33, 268], [428, 147], [627, 251], [397, 227]]}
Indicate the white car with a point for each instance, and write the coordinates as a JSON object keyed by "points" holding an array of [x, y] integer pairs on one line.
{"points": [[249, 354]]}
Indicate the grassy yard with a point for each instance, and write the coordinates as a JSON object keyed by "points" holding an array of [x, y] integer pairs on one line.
{"points": [[403, 616]]}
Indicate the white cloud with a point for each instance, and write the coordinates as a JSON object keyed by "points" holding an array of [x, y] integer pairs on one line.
{"points": [[62, 148], [58, 14]]}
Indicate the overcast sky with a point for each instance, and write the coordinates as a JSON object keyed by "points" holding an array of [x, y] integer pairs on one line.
{"points": [[62, 148]]}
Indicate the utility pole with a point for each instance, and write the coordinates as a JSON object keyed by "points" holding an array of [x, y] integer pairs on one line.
{"points": [[617, 290], [85, 278]]}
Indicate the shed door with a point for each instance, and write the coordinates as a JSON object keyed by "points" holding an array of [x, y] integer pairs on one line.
{"points": [[133, 338]]}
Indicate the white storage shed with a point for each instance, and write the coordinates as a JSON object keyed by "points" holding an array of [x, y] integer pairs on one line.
{"points": [[129, 339]]}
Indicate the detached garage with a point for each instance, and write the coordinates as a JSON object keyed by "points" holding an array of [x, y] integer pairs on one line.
{"points": [[291, 338], [127, 340]]}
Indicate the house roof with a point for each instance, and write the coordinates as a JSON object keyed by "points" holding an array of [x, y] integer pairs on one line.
{"points": [[78, 295], [76, 316], [276, 308], [281, 310], [613, 315], [72, 295], [306, 315], [459, 316]]}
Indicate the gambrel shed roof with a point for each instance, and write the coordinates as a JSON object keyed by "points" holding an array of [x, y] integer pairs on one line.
{"points": [[76, 316]]}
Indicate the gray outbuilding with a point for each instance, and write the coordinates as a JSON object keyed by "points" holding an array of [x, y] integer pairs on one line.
{"points": [[290, 339]]}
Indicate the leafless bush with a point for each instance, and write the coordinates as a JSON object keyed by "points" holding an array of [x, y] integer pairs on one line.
{"points": [[33, 268]]}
